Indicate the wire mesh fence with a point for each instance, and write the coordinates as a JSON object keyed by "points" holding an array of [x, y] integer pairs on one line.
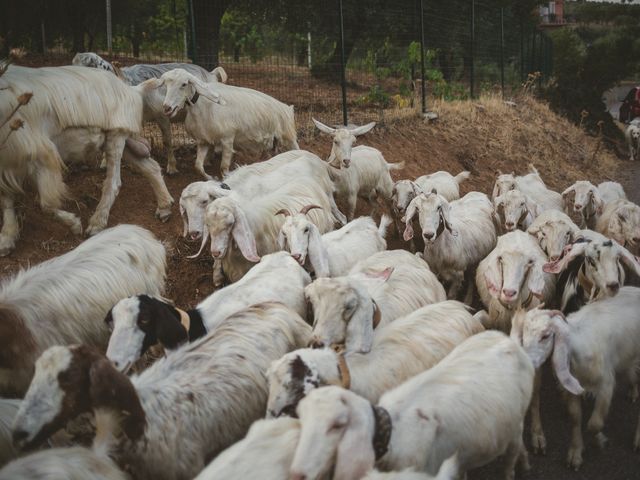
{"points": [[337, 60]]}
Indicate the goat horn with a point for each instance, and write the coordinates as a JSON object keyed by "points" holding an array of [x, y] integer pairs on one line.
{"points": [[304, 210], [284, 212]]}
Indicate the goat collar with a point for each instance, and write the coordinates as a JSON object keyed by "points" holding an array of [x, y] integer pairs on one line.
{"points": [[192, 323], [194, 99], [376, 314], [382, 432], [343, 368]]}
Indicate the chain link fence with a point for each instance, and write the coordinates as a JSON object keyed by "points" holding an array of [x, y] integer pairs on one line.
{"points": [[338, 61]]}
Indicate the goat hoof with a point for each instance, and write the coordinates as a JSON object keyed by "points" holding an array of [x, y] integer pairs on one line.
{"points": [[163, 214], [172, 170], [93, 229], [574, 459], [539, 443], [76, 228], [601, 440]]}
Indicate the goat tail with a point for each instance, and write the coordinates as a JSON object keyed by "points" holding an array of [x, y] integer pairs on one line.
{"points": [[385, 221], [462, 176], [533, 169], [395, 166], [220, 73]]}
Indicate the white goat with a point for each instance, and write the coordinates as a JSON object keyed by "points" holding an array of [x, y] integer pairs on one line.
{"points": [[8, 410], [594, 270], [241, 120], [585, 198], [456, 235], [406, 347], [166, 422], [253, 225], [266, 453], [587, 350], [448, 471], [480, 391], [531, 185], [74, 463], [64, 300], [511, 276], [153, 98], [514, 210], [139, 322], [74, 114], [554, 230], [334, 253], [620, 220], [632, 135], [442, 182], [358, 172], [251, 181], [378, 290]]}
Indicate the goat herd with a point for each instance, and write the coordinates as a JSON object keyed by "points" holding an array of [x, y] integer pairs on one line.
{"points": [[364, 361]]}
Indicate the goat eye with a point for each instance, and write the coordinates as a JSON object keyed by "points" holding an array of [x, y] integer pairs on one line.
{"points": [[184, 84], [337, 426], [306, 230], [545, 336], [500, 259], [591, 262], [531, 262]]}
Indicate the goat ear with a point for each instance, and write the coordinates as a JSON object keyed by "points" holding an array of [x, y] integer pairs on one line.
{"points": [[561, 354], [360, 330], [282, 241], [355, 455], [633, 263], [517, 325], [169, 331], [408, 220], [568, 191], [450, 468], [206, 91], [152, 83], [112, 390], [536, 281], [317, 253], [598, 202], [493, 276], [570, 252], [323, 128], [185, 223], [356, 131], [243, 236], [381, 274]]}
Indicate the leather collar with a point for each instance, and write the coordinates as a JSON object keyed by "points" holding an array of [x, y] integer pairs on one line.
{"points": [[193, 99], [382, 432]]}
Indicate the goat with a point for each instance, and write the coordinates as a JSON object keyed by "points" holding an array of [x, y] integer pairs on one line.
{"points": [[587, 350], [480, 391], [358, 172], [246, 120], [251, 181], [592, 269], [448, 471], [254, 225], [334, 253], [585, 198], [531, 185], [515, 210], [512, 276], [64, 300], [377, 290], [75, 113], [554, 230], [456, 235], [141, 321], [404, 348], [270, 446], [166, 422], [152, 98], [632, 135], [620, 220], [442, 182]]}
